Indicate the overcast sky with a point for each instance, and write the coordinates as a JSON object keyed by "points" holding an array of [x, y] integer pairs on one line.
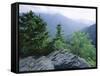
{"points": [[73, 13]]}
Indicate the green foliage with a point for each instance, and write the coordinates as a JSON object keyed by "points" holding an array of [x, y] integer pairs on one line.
{"points": [[81, 46], [33, 34], [34, 39], [58, 41]]}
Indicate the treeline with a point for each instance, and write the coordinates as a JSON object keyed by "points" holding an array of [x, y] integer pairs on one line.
{"points": [[34, 39]]}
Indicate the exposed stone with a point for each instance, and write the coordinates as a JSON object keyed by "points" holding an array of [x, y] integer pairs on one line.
{"points": [[55, 60], [26, 63], [65, 60], [43, 63]]}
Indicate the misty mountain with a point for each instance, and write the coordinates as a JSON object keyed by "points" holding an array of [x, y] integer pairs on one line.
{"points": [[68, 25], [92, 33]]}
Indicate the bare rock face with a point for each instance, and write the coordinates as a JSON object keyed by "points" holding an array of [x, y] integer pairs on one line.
{"points": [[26, 64], [65, 60], [31, 64], [43, 63], [55, 60]]}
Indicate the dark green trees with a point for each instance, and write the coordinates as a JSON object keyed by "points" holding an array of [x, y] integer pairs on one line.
{"points": [[33, 34], [81, 46], [58, 42]]}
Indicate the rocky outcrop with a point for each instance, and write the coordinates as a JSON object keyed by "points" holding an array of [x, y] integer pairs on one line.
{"points": [[55, 60], [65, 60]]}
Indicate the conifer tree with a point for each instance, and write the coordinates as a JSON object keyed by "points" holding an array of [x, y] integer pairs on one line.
{"points": [[59, 42], [33, 34]]}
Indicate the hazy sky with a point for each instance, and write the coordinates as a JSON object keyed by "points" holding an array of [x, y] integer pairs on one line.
{"points": [[82, 14]]}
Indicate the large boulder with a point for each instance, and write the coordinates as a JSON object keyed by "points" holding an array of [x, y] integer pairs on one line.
{"points": [[65, 60], [59, 59]]}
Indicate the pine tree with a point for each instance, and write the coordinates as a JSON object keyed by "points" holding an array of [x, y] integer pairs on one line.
{"points": [[59, 42], [33, 34], [81, 46]]}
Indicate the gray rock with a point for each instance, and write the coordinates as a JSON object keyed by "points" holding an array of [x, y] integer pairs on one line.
{"points": [[56, 60], [30, 64], [64, 60], [43, 63], [26, 63]]}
